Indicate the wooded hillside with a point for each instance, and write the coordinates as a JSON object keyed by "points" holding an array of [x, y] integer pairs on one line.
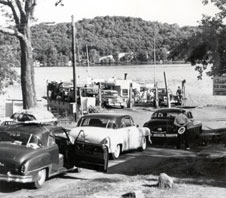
{"points": [[105, 36]]}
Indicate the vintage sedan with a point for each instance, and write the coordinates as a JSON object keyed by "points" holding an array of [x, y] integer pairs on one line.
{"points": [[111, 98], [163, 129], [31, 153], [117, 131]]}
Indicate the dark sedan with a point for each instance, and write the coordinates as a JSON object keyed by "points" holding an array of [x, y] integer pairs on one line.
{"points": [[163, 130], [31, 153]]}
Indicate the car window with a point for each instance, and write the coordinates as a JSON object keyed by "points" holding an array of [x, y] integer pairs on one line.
{"points": [[125, 92], [189, 115], [97, 122], [126, 122], [19, 138], [111, 124], [159, 115], [51, 140], [165, 115], [60, 133]]}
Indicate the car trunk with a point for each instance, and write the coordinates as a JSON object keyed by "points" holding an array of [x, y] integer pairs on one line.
{"points": [[163, 125]]}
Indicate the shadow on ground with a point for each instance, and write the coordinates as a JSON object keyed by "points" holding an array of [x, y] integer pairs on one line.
{"points": [[206, 166]]}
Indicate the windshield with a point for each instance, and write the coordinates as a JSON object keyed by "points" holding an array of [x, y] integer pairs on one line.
{"points": [[170, 115], [18, 138], [110, 94], [98, 122]]}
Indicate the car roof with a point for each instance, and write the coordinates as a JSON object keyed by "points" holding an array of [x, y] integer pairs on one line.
{"points": [[105, 115], [35, 129], [171, 110]]}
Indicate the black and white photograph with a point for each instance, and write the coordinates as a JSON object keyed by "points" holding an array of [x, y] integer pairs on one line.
{"points": [[112, 98]]}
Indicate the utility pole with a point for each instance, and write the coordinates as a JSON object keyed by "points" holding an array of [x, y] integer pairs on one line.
{"points": [[75, 109], [167, 94], [154, 61], [87, 55]]}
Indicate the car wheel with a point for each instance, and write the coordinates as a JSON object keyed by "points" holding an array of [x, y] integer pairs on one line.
{"points": [[143, 145], [41, 178], [116, 153]]}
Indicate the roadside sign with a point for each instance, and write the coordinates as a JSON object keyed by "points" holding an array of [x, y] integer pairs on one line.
{"points": [[219, 86]]}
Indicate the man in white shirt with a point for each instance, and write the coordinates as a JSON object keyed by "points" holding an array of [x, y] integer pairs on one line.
{"points": [[181, 121]]}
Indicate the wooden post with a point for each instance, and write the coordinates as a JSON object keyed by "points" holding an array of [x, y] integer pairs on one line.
{"points": [[47, 94], [80, 96], [167, 96], [100, 98], [130, 95], [156, 97], [75, 109]]}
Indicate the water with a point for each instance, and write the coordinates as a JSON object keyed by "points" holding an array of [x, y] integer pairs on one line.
{"points": [[198, 92]]}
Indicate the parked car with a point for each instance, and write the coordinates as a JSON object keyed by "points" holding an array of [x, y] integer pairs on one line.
{"points": [[117, 131], [162, 126], [31, 153], [162, 96], [30, 115], [111, 98]]}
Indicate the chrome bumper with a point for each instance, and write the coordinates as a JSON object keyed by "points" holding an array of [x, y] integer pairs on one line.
{"points": [[16, 178]]}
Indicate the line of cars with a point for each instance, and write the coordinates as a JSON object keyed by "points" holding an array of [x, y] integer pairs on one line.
{"points": [[32, 151]]}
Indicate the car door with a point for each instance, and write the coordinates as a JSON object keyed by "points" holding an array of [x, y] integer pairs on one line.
{"points": [[82, 154], [90, 156], [132, 133], [53, 150]]}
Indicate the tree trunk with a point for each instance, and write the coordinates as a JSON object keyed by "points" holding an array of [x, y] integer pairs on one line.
{"points": [[27, 71]]}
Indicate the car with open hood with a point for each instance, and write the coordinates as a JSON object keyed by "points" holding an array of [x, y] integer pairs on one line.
{"points": [[162, 126], [117, 131], [31, 153]]}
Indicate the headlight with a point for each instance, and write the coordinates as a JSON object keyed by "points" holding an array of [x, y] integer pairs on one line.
{"points": [[23, 168], [106, 141]]}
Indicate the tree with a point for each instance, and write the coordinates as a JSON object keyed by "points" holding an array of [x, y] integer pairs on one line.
{"points": [[207, 46], [21, 13]]}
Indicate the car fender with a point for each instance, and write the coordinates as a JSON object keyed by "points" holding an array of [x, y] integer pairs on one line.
{"points": [[38, 162], [114, 141], [144, 131], [194, 124]]}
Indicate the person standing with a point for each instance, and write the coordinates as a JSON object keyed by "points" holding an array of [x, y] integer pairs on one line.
{"points": [[179, 95], [181, 121]]}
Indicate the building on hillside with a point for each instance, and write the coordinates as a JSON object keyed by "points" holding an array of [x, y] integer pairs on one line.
{"points": [[107, 59]]}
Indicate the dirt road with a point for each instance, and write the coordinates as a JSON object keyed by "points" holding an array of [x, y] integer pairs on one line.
{"points": [[199, 173], [135, 171]]}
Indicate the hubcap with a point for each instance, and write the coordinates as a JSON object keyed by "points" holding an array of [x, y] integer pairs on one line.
{"points": [[117, 152], [144, 145], [41, 177]]}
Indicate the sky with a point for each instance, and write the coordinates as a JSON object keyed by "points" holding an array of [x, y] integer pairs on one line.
{"points": [[182, 12]]}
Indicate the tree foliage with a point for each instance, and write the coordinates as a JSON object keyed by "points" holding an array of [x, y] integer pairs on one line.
{"points": [[108, 36], [207, 45]]}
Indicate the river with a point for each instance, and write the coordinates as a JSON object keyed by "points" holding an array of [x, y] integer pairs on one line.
{"points": [[198, 92]]}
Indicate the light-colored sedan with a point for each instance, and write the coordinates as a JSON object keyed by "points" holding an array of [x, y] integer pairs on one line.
{"points": [[117, 131]]}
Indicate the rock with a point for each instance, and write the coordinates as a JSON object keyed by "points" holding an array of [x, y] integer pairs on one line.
{"points": [[135, 194], [165, 181]]}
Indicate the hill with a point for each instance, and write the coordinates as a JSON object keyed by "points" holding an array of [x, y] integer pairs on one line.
{"points": [[106, 36]]}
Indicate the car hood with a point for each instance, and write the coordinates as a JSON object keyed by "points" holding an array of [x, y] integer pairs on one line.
{"points": [[91, 134], [11, 154]]}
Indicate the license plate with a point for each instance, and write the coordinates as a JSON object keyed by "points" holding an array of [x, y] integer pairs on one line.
{"points": [[158, 134]]}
